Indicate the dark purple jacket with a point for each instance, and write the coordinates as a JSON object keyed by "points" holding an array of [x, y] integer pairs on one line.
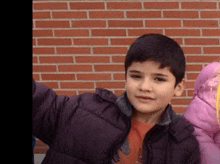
{"points": [[92, 127]]}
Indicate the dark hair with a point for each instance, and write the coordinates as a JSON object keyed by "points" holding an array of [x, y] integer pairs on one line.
{"points": [[158, 48]]}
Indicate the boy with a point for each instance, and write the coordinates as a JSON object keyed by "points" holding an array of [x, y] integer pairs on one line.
{"points": [[137, 127]]}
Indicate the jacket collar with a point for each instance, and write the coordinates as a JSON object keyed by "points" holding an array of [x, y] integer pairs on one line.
{"points": [[178, 127], [125, 106]]}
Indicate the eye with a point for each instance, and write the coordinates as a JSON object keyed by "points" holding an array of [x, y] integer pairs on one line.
{"points": [[159, 79], [136, 76]]}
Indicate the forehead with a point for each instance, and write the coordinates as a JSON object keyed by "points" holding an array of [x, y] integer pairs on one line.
{"points": [[148, 67]]}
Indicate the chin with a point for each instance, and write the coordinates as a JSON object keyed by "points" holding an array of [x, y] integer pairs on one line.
{"points": [[144, 110]]}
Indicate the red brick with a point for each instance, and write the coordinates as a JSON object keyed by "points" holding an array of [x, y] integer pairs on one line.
{"points": [[178, 109], [180, 14], [53, 41], [43, 33], [40, 15], [69, 14], [200, 23], [58, 76], [190, 92], [76, 85], [211, 50], [74, 67], [191, 50], [108, 32], [86, 5], [73, 50], [51, 84], [49, 5], [180, 101], [111, 67], [110, 84], [201, 41], [86, 91], [193, 67], [211, 32], [72, 32], [124, 5], [198, 5], [143, 14], [65, 92], [138, 32], [161, 5], [109, 50], [210, 14], [94, 76], [125, 23], [182, 32], [119, 92], [36, 76], [52, 24], [92, 59], [40, 143], [122, 41], [91, 41], [34, 59], [43, 50], [56, 59], [162, 23], [70, 43], [44, 68], [119, 76], [89, 23], [191, 76], [200, 58], [118, 59], [34, 42], [178, 40], [40, 150], [106, 14]]}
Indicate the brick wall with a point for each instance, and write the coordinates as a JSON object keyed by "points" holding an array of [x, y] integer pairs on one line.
{"points": [[81, 45]]}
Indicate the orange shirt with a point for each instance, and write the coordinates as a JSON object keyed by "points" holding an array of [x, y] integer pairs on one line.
{"points": [[135, 139]]}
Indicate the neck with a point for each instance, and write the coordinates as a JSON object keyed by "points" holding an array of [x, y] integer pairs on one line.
{"points": [[151, 118]]}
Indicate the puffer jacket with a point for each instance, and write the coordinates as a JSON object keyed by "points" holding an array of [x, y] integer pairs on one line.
{"points": [[201, 113], [92, 127]]}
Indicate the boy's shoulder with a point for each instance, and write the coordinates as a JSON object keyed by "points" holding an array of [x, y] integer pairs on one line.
{"points": [[179, 127], [182, 133], [103, 104], [100, 97]]}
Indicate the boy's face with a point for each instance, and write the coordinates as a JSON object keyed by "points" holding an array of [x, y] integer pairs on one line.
{"points": [[150, 89]]}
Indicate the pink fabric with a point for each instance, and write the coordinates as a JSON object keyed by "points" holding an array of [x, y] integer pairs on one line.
{"points": [[201, 113]]}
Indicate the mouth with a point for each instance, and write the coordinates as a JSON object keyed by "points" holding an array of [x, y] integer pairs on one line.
{"points": [[144, 98]]}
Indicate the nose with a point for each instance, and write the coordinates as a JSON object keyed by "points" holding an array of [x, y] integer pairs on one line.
{"points": [[146, 85]]}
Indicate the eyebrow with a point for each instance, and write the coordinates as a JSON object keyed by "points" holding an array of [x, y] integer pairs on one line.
{"points": [[134, 71], [156, 74], [159, 74]]}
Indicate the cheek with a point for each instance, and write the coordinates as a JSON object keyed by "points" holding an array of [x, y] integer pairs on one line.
{"points": [[130, 86], [165, 92]]}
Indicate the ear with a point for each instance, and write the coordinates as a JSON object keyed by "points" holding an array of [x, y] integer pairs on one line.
{"points": [[179, 88]]}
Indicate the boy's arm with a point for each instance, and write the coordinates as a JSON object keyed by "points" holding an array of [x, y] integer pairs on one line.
{"points": [[47, 111]]}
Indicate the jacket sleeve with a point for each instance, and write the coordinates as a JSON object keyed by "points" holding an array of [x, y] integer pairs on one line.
{"points": [[49, 111], [199, 114], [210, 151]]}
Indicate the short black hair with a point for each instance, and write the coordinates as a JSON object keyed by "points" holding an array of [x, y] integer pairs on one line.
{"points": [[158, 48]]}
